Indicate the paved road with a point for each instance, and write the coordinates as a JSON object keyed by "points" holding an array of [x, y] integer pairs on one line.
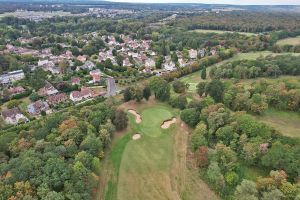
{"points": [[111, 87]]}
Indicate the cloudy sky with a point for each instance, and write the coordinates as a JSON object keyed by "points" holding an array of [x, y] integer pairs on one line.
{"points": [[241, 2]]}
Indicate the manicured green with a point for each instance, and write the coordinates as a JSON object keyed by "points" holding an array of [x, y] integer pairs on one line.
{"points": [[145, 165]]}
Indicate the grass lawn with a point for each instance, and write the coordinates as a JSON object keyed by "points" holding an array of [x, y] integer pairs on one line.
{"points": [[289, 41], [222, 32], [153, 167], [288, 123]]}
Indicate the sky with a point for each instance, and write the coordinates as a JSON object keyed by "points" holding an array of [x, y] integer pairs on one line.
{"points": [[237, 2]]}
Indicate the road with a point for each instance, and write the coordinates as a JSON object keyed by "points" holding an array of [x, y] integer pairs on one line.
{"points": [[111, 87]]}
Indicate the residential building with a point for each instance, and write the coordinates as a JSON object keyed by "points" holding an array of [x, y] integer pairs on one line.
{"points": [[16, 90], [57, 99], [13, 116], [85, 93], [75, 80], [37, 107], [96, 75], [11, 77], [193, 54]]}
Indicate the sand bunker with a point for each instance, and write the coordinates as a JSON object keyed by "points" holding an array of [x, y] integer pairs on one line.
{"points": [[136, 136], [138, 118], [166, 124]]}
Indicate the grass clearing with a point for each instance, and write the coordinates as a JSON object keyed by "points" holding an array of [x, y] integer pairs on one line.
{"points": [[289, 41], [286, 122], [153, 167], [222, 32]]}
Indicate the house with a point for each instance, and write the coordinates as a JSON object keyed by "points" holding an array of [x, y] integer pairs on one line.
{"points": [[126, 63], [85, 93], [213, 52], [201, 52], [96, 75], [11, 77], [37, 107], [16, 90], [89, 65], [13, 116], [193, 54], [150, 63], [43, 62], [169, 66], [182, 63], [75, 80], [47, 90], [57, 98], [81, 58]]}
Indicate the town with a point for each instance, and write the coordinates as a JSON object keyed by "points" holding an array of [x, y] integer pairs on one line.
{"points": [[87, 81]]}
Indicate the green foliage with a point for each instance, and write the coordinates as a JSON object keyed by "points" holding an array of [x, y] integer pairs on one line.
{"points": [[178, 102], [160, 87], [146, 92], [120, 120], [246, 191], [215, 89], [179, 87], [190, 116]]}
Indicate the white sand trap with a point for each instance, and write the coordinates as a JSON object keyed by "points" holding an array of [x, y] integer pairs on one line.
{"points": [[166, 124], [136, 136], [138, 118]]}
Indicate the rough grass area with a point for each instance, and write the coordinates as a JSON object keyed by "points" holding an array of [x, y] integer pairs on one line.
{"points": [[289, 41], [155, 166], [222, 32], [287, 123], [252, 173]]}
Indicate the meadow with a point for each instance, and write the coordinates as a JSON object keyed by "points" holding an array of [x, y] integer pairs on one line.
{"points": [[287, 123], [154, 166], [289, 41], [222, 32]]}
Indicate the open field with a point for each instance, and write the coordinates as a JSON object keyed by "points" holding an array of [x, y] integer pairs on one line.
{"points": [[222, 32], [154, 166], [194, 78], [288, 123], [289, 41]]}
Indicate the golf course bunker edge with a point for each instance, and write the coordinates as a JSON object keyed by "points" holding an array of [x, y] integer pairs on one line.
{"points": [[138, 118], [167, 123]]}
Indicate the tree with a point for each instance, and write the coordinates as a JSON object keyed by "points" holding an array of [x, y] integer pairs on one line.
{"points": [[190, 116], [53, 195], [179, 87], [258, 104], [201, 88], [91, 144], [203, 73], [13, 103], [215, 89], [138, 94], [246, 191], [146, 92], [160, 87], [202, 156], [215, 176], [129, 94], [199, 136], [178, 102], [63, 66], [273, 194], [120, 120], [231, 178]]}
